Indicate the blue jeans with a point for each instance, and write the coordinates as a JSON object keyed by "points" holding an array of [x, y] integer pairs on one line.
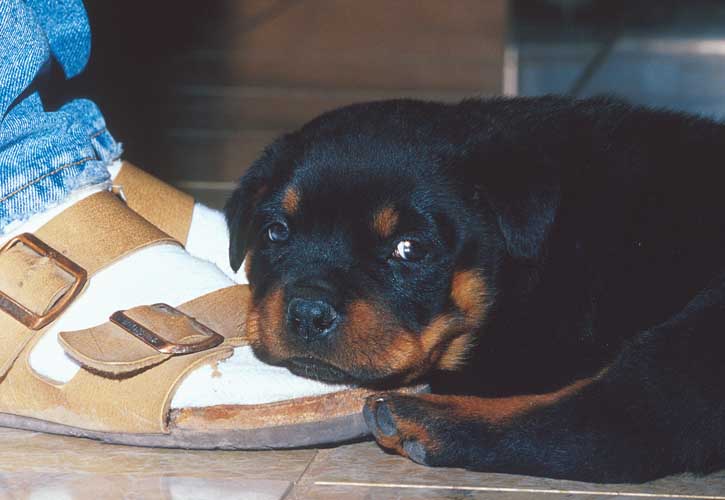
{"points": [[45, 155]]}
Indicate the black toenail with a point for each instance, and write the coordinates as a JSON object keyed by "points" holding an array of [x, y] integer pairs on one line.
{"points": [[384, 419], [369, 417], [415, 451]]}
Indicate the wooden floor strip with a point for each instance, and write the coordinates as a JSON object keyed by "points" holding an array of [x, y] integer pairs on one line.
{"points": [[497, 489]]}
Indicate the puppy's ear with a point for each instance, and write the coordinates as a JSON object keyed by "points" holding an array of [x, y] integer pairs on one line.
{"points": [[525, 212], [239, 212], [271, 169]]}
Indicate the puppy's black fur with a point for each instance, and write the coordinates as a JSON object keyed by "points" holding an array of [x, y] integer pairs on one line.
{"points": [[555, 267]]}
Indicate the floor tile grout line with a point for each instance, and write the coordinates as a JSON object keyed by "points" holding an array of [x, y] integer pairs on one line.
{"points": [[495, 489], [294, 483], [309, 464], [290, 488]]}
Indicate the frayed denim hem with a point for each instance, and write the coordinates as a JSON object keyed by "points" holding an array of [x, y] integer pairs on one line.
{"points": [[51, 155]]}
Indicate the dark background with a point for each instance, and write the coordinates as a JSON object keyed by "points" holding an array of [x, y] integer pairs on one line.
{"points": [[194, 90]]}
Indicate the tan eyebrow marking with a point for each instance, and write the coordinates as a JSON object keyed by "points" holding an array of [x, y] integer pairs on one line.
{"points": [[291, 200], [385, 221]]}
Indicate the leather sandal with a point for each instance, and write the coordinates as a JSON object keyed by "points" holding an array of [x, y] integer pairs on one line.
{"points": [[132, 365]]}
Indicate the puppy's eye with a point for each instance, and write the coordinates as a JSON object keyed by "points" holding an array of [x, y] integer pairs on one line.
{"points": [[408, 250], [277, 232]]}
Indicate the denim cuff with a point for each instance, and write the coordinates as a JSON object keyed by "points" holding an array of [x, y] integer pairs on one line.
{"points": [[46, 156]]}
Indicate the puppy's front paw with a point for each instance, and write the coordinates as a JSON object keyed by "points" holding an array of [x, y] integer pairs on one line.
{"points": [[409, 426]]}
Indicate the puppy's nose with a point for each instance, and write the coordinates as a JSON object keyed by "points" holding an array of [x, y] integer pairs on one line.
{"points": [[310, 319]]}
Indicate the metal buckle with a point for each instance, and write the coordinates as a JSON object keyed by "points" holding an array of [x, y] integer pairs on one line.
{"points": [[23, 314], [161, 344]]}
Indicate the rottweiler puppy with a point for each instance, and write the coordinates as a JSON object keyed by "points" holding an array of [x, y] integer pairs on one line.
{"points": [[553, 267]]}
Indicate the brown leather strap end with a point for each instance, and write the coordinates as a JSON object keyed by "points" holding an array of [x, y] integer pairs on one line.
{"points": [[108, 349]]}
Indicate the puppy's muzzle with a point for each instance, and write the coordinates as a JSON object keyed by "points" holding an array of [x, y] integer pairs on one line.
{"points": [[311, 319]]}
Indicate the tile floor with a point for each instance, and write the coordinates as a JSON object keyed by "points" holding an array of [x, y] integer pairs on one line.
{"points": [[38, 466]]}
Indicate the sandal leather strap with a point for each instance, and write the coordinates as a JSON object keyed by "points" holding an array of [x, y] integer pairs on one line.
{"points": [[115, 349], [161, 204], [88, 236]]}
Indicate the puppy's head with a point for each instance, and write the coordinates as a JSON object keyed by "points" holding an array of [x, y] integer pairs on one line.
{"points": [[369, 258]]}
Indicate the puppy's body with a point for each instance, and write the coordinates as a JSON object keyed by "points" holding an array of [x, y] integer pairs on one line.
{"points": [[558, 262]]}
